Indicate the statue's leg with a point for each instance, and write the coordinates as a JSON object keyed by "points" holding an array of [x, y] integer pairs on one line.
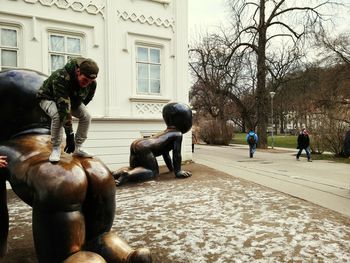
{"points": [[99, 211], [148, 161], [143, 166], [116, 250], [57, 234], [99, 204], [58, 222], [4, 216], [85, 257]]}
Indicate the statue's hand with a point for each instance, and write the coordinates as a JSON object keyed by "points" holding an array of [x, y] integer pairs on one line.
{"points": [[3, 161], [183, 174]]}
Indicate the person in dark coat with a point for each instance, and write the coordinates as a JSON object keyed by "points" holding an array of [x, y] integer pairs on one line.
{"points": [[347, 144], [304, 144]]}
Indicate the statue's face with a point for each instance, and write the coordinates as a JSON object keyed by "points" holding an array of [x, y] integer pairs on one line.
{"points": [[178, 115]]}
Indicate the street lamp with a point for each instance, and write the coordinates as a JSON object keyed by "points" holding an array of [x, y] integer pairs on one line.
{"points": [[271, 95]]}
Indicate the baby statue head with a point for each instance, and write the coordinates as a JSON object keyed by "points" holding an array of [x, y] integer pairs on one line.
{"points": [[178, 115]]}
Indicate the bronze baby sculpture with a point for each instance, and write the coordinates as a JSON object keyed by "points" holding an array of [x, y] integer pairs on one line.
{"points": [[73, 201], [143, 152]]}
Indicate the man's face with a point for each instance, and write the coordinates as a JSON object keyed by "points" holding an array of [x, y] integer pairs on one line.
{"points": [[83, 80]]}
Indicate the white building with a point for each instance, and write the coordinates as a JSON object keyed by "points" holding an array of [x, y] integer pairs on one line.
{"points": [[139, 45]]}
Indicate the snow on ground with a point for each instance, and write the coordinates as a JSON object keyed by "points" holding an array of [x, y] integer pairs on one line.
{"points": [[223, 219], [212, 217]]}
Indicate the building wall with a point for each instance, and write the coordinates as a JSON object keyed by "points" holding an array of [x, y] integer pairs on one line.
{"points": [[111, 30]]}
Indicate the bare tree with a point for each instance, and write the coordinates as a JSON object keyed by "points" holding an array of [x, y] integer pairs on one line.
{"points": [[259, 24], [221, 88], [336, 50], [280, 64]]}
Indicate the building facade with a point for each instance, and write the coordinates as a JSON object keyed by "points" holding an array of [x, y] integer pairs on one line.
{"points": [[139, 45]]}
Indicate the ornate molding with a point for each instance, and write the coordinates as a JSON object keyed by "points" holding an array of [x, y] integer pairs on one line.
{"points": [[133, 17], [149, 108], [164, 2], [93, 7]]}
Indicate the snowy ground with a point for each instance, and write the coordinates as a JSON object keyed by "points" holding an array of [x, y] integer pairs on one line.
{"points": [[211, 217]]}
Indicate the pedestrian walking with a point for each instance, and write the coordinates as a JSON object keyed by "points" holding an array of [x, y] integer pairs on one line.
{"points": [[252, 140], [64, 94], [304, 144]]}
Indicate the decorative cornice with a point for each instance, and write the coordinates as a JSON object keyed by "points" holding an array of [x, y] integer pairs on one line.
{"points": [[93, 7], [164, 2], [149, 108], [161, 22]]}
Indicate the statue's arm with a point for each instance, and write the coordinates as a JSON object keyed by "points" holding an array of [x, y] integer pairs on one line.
{"points": [[177, 159], [168, 162]]}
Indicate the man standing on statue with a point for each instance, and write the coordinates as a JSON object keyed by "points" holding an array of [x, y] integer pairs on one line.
{"points": [[64, 94]]}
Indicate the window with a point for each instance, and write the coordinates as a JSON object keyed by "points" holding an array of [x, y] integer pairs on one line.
{"points": [[61, 49], [148, 70], [8, 48]]}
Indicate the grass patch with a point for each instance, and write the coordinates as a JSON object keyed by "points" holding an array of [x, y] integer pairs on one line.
{"points": [[287, 141]]}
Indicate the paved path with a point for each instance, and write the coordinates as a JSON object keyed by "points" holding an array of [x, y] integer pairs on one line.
{"points": [[324, 183]]}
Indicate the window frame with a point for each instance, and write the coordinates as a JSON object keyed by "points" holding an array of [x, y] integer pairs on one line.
{"points": [[67, 55], [10, 48], [149, 63]]}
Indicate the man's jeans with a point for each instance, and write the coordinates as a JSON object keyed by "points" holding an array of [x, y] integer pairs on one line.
{"points": [[81, 113], [307, 150], [252, 148]]}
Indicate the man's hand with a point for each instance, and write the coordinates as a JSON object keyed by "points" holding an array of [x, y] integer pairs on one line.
{"points": [[3, 162], [183, 174], [70, 143]]}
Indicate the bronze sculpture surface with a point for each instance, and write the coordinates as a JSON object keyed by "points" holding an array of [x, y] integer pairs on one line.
{"points": [[143, 152], [73, 201]]}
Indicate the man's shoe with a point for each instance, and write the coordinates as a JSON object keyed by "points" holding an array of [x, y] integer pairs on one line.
{"points": [[298, 159], [309, 160], [79, 151], [55, 155]]}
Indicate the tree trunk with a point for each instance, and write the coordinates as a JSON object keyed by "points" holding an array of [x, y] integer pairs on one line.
{"points": [[262, 98]]}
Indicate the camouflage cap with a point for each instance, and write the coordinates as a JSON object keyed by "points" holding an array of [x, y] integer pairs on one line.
{"points": [[88, 67]]}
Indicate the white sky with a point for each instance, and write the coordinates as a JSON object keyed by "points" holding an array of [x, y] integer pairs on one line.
{"points": [[206, 15]]}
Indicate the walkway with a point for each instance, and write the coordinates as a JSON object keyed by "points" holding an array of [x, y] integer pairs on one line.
{"points": [[321, 182]]}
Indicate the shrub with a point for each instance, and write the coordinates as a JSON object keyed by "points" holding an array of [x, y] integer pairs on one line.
{"points": [[330, 137], [216, 132]]}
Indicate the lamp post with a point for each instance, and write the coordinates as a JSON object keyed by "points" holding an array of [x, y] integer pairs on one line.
{"points": [[271, 95]]}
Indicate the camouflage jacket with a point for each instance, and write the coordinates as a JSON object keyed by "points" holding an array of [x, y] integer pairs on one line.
{"points": [[62, 87]]}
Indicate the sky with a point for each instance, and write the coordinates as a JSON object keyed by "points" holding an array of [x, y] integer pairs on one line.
{"points": [[206, 15]]}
